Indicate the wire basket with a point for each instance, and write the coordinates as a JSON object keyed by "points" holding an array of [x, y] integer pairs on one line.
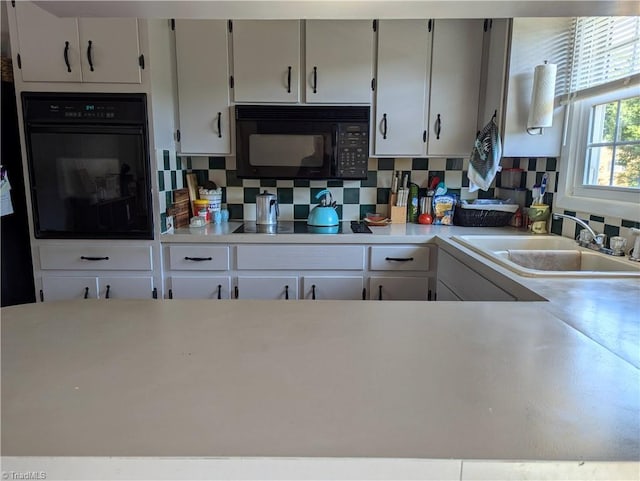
{"points": [[481, 218]]}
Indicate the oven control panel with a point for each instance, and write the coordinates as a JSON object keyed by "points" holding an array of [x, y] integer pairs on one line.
{"points": [[352, 158]]}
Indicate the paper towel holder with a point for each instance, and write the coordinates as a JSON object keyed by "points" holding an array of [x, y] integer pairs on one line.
{"points": [[542, 99]]}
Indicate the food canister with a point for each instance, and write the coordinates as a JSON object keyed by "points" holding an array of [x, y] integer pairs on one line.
{"points": [[200, 204]]}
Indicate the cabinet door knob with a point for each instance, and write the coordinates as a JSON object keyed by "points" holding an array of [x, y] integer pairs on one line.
{"points": [[89, 59], [66, 56]]}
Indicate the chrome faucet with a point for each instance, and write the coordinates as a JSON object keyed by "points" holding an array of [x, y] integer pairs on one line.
{"points": [[598, 239]]}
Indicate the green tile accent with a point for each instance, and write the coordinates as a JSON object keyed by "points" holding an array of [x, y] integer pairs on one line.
{"points": [[301, 183], [551, 164], [335, 183], [420, 164], [365, 209], [165, 158], [300, 211], [382, 196], [268, 182], [285, 195], [611, 231], [630, 223], [454, 164], [250, 194], [169, 197], [312, 194], [351, 196], [218, 163], [161, 181], [174, 180], [386, 164], [189, 164], [163, 222], [597, 218], [179, 163], [371, 180], [232, 179]]}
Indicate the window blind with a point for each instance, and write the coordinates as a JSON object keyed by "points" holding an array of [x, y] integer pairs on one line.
{"points": [[605, 49]]}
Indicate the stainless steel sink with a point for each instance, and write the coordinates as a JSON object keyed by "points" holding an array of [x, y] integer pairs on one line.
{"points": [[548, 256]]}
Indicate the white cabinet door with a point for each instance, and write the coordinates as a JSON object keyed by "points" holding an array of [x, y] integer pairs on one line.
{"points": [[465, 283], [276, 287], [120, 287], [266, 60], [495, 46], [339, 61], [550, 37], [60, 288], [109, 50], [404, 51], [455, 86], [443, 293], [203, 86], [399, 288], [210, 287], [44, 42], [332, 287]]}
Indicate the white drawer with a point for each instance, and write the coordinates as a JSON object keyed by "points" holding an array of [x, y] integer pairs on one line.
{"points": [[293, 257], [199, 258], [95, 257], [399, 258]]}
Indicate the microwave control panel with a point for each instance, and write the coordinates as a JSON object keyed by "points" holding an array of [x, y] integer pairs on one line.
{"points": [[352, 159]]}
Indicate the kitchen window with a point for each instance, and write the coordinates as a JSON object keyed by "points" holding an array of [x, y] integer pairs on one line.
{"points": [[600, 168]]}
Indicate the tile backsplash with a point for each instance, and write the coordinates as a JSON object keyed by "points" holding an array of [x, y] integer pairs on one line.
{"points": [[356, 198]]}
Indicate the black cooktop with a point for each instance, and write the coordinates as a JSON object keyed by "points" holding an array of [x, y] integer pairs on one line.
{"points": [[297, 227]]}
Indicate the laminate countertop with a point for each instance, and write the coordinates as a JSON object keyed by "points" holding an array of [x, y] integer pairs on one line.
{"points": [[381, 379]]}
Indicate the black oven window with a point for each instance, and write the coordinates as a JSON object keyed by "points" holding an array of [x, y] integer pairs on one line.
{"points": [[91, 183]]}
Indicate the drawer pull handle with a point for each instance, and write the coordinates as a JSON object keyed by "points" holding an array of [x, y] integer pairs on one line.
{"points": [[41, 296], [85, 258], [289, 79], [154, 293], [108, 289], [219, 291], [170, 293], [198, 259], [313, 291], [86, 293], [364, 293], [219, 125], [315, 80], [399, 259], [380, 293], [235, 292], [286, 292]]}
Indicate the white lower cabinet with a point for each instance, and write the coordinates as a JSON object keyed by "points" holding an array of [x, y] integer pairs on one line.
{"points": [[58, 288], [267, 287], [333, 287], [210, 287], [95, 271], [399, 288], [457, 279]]}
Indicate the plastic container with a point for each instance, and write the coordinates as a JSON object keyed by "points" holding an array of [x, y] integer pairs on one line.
{"points": [[200, 204], [214, 200], [511, 178]]}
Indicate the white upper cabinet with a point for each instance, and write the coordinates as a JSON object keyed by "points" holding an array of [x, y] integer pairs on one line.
{"points": [[455, 86], [111, 50], [49, 47], [493, 81], [533, 40], [404, 51], [339, 61], [56, 49], [266, 60], [203, 86]]}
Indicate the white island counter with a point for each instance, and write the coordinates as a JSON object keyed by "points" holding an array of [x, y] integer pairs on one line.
{"points": [[449, 381]]}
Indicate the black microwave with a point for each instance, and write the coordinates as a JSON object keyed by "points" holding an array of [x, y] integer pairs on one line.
{"points": [[302, 141]]}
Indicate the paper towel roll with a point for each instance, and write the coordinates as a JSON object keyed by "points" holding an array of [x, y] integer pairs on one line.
{"points": [[542, 95]]}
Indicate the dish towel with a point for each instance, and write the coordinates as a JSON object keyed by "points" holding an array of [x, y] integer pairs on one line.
{"points": [[484, 163]]}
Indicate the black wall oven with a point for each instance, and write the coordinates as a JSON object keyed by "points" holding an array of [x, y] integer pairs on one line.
{"points": [[302, 141], [88, 157]]}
